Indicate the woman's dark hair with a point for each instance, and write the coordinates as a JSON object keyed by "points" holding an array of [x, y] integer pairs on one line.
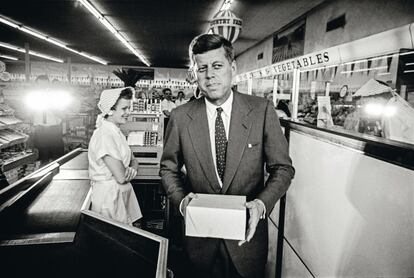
{"points": [[166, 89], [125, 94], [209, 42]]}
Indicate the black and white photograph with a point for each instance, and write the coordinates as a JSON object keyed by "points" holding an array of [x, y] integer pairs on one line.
{"points": [[207, 138]]}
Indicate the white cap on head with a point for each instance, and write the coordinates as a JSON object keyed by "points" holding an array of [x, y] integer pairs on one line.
{"points": [[109, 98]]}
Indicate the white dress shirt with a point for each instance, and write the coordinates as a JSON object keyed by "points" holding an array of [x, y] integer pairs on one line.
{"points": [[167, 105], [179, 102], [211, 117]]}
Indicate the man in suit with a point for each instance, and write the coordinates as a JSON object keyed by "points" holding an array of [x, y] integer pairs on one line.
{"points": [[225, 140]]}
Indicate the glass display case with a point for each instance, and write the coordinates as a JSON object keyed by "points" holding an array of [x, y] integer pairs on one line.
{"points": [[372, 96]]}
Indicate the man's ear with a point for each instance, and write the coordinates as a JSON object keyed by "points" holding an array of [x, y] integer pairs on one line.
{"points": [[234, 67]]}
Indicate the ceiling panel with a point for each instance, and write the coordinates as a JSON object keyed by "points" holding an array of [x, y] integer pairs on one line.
{"points": [[160, 29]]}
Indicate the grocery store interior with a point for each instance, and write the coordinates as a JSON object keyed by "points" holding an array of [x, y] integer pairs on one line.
{"points": [[340, 75]]}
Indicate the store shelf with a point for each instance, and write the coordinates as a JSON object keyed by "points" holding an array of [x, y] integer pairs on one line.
{"points": [[8, 121], [6, 110], [18, 161], [9, 137]]}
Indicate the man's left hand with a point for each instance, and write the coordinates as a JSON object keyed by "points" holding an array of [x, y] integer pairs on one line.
{"points": [[256, 209]]}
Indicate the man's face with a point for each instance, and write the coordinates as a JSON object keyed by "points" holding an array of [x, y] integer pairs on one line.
{"points": [[214, 75], [167, 94]]}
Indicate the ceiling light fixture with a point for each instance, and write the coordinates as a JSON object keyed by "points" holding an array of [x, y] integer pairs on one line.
{"points": [[9, 57], [226, 5], [112, 29], [31, 52], [365, 69], [407, 53], [49, 39]]}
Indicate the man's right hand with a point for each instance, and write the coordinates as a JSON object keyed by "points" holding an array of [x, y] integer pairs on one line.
{"points": [[184, 203], [166, 113]]}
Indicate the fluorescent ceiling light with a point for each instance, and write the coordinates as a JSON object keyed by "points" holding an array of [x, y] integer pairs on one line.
{"points": [[31, 52], [320, 68], [9, 57], [354, 62], [366, 69], [112, 29], [381, 57], [383, 73], [49, 39], [407, 53]]}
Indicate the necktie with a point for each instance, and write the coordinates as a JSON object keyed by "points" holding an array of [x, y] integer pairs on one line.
{"points": [[221, 144]]}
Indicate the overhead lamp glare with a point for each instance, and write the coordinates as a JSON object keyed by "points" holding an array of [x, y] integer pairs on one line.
{"points": [[48, 39], [31, 52], [9, 57], [113, 30]]}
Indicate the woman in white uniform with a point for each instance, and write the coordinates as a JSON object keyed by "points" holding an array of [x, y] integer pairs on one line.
{"points": [[111, 163]]}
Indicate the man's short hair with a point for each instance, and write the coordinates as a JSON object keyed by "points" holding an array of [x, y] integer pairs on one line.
{"points": [[166, 89], [207, 42]]}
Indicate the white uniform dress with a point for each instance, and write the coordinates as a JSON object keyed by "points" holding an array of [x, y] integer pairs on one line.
{"points": [[109, 198]]}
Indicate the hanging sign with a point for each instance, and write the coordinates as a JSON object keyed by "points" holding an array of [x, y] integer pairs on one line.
{"points": [[226, 24]]}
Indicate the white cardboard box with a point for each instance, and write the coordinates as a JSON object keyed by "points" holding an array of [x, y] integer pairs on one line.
{"points": [[217, 216]]}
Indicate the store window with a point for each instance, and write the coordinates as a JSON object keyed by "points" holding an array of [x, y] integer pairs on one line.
{"points": [[242, 87], [373, 96], [262, 87], [277, 89]]}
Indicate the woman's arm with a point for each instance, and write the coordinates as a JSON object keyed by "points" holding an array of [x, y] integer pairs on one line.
{"points": [[132, 170], [134, 162], [116, 167]]}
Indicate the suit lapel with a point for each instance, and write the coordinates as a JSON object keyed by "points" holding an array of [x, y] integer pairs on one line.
{"points": [[200, 138], [240, 125]]}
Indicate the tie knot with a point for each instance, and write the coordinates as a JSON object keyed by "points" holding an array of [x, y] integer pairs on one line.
{"points": [[219, 110]]}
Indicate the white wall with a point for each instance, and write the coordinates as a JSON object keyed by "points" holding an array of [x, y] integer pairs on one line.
{"points": [[247, 61], [347, 214], [363, 18]]}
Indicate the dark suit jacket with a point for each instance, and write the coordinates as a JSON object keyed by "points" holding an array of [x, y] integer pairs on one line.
{"points": [[255, 140]]}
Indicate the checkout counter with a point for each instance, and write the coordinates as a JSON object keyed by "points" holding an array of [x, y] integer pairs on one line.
{"points": [[349, 210], [48, 231]]}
